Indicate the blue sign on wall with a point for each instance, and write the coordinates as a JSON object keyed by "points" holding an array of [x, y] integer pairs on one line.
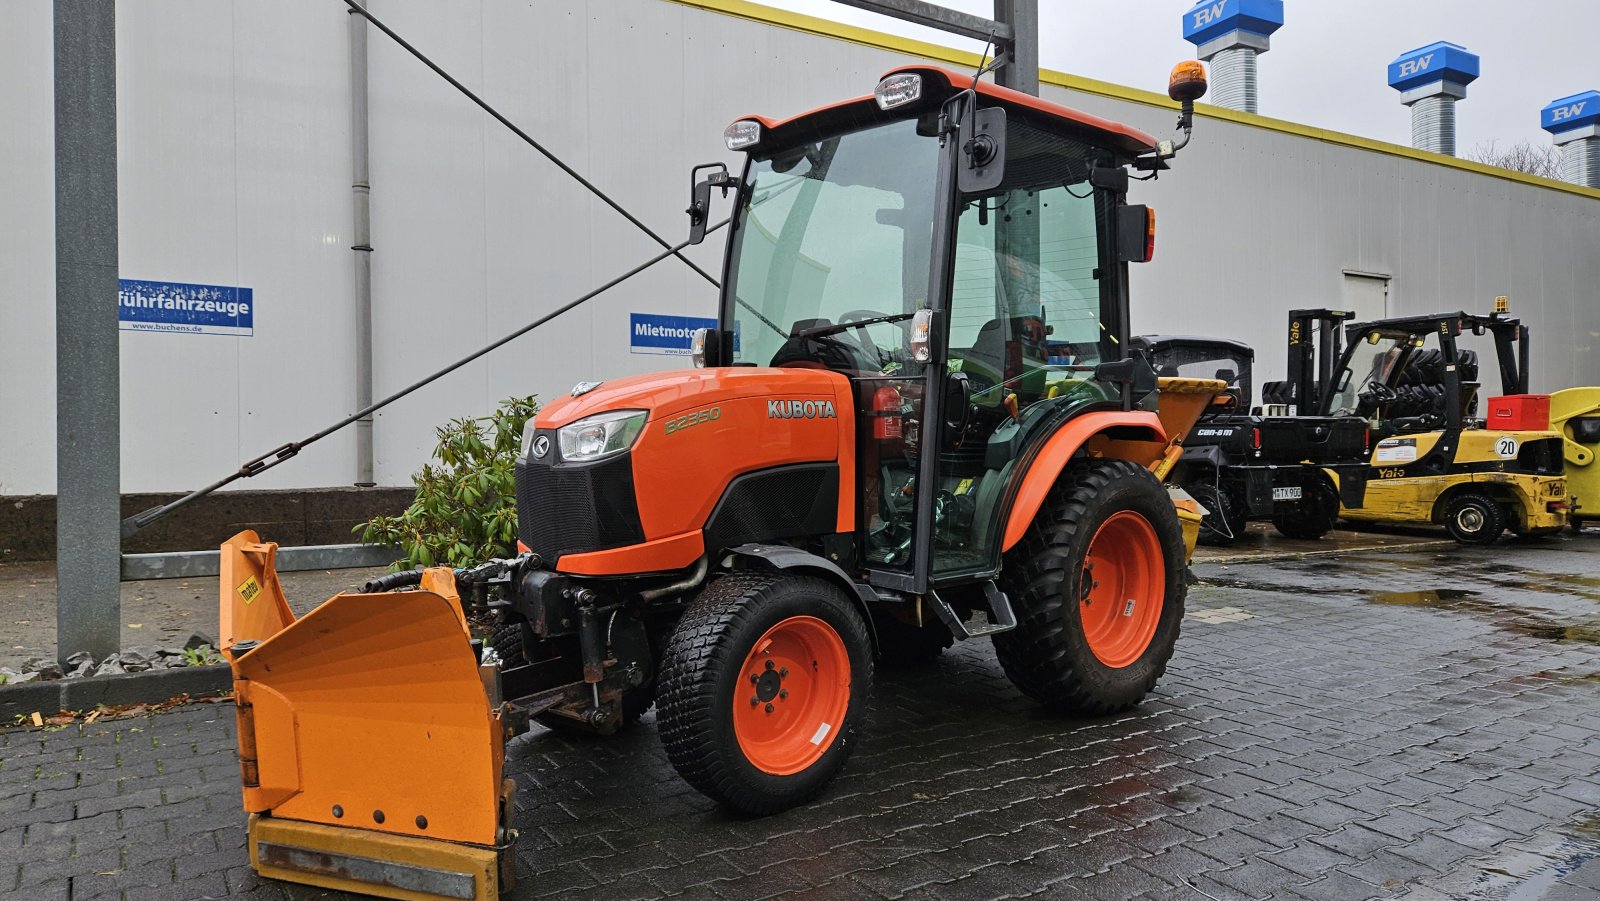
{"points": [[190, 309], [649, 333]]}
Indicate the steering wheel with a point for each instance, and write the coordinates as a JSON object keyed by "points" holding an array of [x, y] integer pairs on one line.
{"points": [[1378, 393]]}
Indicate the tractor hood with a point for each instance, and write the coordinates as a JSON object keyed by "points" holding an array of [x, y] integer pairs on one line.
{"points": [[676, 392]]}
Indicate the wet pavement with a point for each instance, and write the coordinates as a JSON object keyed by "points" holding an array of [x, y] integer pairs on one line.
{"points": [[1421, 724]]}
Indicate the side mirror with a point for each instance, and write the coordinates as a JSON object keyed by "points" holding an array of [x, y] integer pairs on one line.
{"points": [[983, 147], [700, 196]]}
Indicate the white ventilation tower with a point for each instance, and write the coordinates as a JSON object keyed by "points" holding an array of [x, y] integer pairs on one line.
{"points": [[1430, 80], [1574, 125], [1229, 34]]}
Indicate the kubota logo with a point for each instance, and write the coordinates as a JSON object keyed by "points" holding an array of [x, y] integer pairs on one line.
{"points": [[1416, 66], [1209, 14], [800, 409]]}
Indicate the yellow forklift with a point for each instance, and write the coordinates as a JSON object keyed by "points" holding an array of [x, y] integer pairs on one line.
{"points": [[1434, 460], [1575, 413]]}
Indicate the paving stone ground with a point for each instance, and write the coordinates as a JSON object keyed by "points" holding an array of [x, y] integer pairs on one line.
{"points": [[1415, 724]]}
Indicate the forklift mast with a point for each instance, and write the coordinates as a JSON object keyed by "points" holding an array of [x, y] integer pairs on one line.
{"points": [[1311, 364]]}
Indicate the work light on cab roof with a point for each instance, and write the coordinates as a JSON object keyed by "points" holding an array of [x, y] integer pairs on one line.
{"points": [[898, 89], [743, 134]]}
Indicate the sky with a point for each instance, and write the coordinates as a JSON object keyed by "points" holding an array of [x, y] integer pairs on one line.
{"points": [[1327, 64]]}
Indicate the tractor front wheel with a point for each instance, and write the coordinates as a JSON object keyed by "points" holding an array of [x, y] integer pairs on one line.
{"points": [[1473, 518], [764, 685], [1098, 586]]}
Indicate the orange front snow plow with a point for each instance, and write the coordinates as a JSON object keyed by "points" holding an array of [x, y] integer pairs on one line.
{"points": [[371, 744]]}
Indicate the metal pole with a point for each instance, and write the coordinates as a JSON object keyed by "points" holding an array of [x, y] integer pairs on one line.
{"points": [[361, 239], [88, 457], [1021, 71]]}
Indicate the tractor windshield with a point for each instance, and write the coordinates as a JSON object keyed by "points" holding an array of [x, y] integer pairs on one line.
{"points": [[830, 233]]}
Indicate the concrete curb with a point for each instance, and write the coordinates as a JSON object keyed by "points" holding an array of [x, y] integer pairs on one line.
{"points": [[149, 687], [1235, 559]]}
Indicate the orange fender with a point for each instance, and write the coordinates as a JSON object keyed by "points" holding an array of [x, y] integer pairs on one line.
{"points": [[1060, 447]]}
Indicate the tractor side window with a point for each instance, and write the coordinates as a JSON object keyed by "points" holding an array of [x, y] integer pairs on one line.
{"points": [[1025, 296]]}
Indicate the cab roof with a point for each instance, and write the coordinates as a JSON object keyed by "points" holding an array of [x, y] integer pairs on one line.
{"points": [[939, 83]]}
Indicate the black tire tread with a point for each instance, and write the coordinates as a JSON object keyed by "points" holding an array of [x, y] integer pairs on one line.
{"points": [[1493, 528], [1034, 654], [687, 688]]}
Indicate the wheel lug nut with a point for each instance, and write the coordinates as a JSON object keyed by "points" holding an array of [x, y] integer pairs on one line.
{"points": [[770, 664], [754, 701], [754, 678], [784, 693], [783, 673], [769, 708]]}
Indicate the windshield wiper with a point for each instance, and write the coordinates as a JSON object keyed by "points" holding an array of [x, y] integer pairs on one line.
{"points": [[823, 331]]}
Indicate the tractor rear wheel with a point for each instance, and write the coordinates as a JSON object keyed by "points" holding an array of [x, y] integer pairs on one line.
{"points": [[1098, 586], [1314, 514], [764, 685], [1473, 518]]}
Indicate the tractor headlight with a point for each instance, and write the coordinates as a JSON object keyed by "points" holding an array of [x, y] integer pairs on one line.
{"points": [[600, 436]]}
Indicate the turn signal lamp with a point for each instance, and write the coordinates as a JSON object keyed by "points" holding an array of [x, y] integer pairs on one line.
{"points": [[1188, 81], [1502, 304], [742, 134], [898, 89], [1150, 236], [697, 347], [921, 340]]}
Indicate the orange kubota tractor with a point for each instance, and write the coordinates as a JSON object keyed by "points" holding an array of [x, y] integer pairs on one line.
{"points": [[916, 422]]}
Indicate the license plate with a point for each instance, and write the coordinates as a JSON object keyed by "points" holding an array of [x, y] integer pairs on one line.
{"points": [[1286, 494]]}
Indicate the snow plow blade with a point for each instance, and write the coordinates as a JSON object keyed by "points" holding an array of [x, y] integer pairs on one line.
{"points": [[371, 744]]}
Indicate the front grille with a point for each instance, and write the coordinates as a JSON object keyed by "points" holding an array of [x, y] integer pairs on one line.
{"points": [[567, 508]]}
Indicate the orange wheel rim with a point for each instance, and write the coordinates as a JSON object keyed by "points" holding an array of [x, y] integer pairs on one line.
{"points": [[1122, 589], [792, 695]]}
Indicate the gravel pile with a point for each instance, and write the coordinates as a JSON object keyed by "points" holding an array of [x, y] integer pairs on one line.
{"points": [[197, 650]]}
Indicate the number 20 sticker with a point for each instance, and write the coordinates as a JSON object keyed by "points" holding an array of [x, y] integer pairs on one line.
{"points": [[1506, 448]]}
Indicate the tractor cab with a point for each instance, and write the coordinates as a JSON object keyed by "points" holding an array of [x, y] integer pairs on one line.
{"points": [[959, 253]]}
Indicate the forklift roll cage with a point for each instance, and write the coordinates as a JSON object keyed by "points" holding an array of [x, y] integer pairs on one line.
{"points": [[1510, 342]]}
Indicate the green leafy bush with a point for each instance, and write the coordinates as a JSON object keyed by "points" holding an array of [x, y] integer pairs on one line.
{"points": [[465, 511]]}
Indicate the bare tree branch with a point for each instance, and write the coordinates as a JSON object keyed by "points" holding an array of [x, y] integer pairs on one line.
{"points": [[1523, 156]]}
